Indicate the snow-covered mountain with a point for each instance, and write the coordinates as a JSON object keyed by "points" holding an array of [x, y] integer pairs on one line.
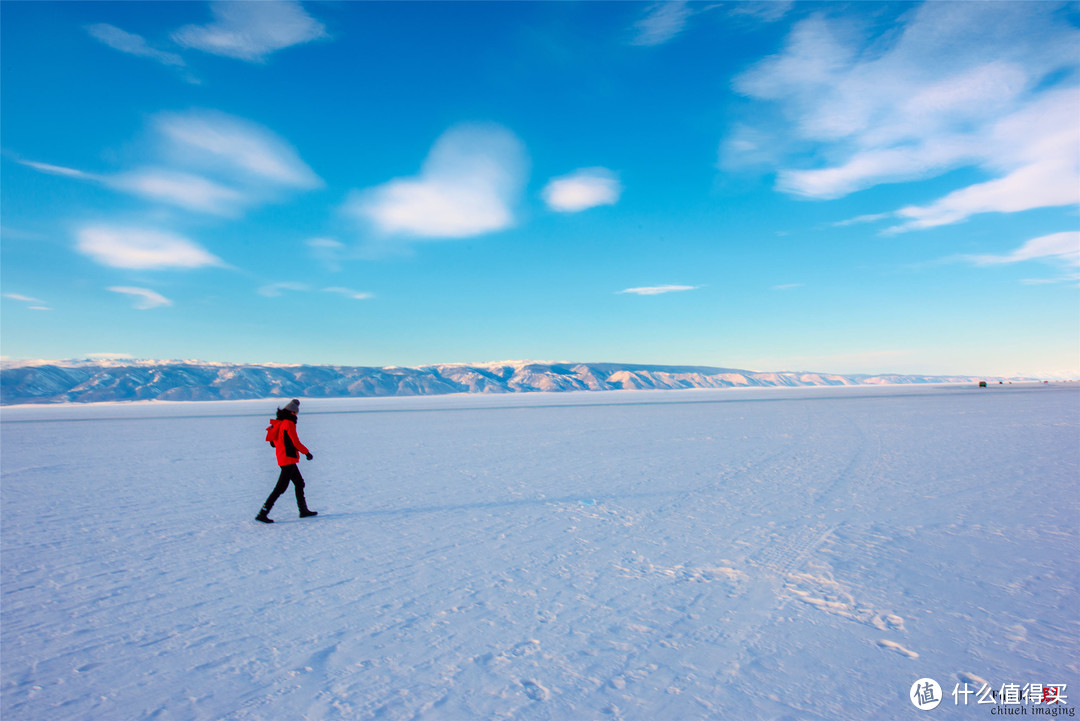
{"points": [[98, 381]]}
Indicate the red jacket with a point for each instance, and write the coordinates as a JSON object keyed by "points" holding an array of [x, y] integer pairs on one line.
{"points": [[281, 433]]}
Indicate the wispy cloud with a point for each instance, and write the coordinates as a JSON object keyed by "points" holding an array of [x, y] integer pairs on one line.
{"points": [[132, 44], [207, 162], [22, 298], [162, 185], [145, 299], [914, 104], [59, 170], [659, 289], [251, 31], [184, 190], [1058, 248], [1038, 151], [142, 249], [32, 303], [233, 147], [276, 290], [328, 251], [861, 219], [787, 286], [350, 293], [583, 189], [662, 22], [468, 186], [765, 10]]}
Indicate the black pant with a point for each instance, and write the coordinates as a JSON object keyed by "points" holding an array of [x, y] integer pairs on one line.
{"points": [[288, 473]]}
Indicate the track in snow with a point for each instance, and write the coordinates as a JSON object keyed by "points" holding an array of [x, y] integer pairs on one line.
{"points": [[799, 554]]}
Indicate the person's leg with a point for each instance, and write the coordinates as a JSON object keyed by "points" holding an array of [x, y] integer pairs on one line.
{"points": [[282, 484], [298, 486]]}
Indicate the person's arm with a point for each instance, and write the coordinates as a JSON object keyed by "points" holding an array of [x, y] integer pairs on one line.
{"points": [[291, 430]]}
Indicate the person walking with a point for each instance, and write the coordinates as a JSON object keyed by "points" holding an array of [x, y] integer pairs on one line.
{"points": [[281, 434]]}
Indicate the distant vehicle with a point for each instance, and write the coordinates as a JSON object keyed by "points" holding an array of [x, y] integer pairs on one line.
{"points": [[982, 384]]}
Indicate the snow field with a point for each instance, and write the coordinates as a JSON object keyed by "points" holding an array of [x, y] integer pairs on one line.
{"points": [[796, 554]]}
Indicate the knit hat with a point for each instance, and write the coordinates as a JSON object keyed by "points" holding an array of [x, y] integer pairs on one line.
{"points": [[293, 406]]}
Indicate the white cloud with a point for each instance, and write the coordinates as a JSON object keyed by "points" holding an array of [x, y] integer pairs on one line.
{"points": [[662, 22], [142, 249], [22, 298], [328, 251], [33, 303], [184, 190], [251, 30], [275, 290], [468, 186], [659, 289], [132, 44], [145, 299], [208, 162], [869, 218], [583, 189], [350, 293], [956, 85], [233, 147], [765, 10], [1037, 148], [59, 170], [749, 145], [1057, 247]]}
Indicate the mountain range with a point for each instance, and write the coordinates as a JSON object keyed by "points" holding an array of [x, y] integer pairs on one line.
{"points": [[128, 380]]}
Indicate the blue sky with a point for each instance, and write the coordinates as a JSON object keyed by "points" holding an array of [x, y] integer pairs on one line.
{"points": [[845, 187]]}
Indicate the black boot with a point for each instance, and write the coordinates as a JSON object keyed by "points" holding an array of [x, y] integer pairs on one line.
{"points": [[263, 517], [308, 513]]}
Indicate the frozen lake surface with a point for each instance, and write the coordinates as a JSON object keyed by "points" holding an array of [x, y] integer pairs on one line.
{"points": [[751, 554]]}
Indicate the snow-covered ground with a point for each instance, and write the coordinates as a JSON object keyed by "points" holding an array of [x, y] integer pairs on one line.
{"points": [[750, 554]]}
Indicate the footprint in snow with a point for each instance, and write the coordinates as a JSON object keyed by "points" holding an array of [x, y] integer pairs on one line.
{"points": [[526, 648], [894, 646], [972, 678], [535, 691]]}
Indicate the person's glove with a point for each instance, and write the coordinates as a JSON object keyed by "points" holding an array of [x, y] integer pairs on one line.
{"points": [[310, 457]]}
